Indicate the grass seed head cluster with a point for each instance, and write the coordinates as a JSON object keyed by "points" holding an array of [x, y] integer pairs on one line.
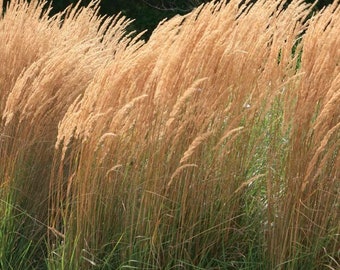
{"points": [[214, 144]]}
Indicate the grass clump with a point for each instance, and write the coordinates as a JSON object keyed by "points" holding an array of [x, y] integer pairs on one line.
{"points": [[211, 146]]}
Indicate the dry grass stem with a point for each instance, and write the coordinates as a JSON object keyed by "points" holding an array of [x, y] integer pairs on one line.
{"points": [[214, 144]]}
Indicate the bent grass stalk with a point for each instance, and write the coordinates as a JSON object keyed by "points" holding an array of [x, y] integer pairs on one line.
{"points": [[204, 147]]}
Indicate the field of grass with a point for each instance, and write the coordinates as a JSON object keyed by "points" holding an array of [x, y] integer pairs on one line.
{"points": [[213, 145]]}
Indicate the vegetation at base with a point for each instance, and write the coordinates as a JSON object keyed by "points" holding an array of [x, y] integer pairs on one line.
{"points": [[213, 145]]}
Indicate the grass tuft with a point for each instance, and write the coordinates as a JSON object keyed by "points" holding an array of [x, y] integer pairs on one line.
{"points": [[214, 145]]}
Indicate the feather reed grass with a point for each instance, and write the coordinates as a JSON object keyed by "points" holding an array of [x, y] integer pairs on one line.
{"points": [[213, 145]]}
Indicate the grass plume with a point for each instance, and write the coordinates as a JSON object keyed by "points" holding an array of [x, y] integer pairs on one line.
{"points": [[213, 145]]}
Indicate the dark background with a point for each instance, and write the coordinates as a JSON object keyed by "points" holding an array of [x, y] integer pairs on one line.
{"points": [[147, 13]]}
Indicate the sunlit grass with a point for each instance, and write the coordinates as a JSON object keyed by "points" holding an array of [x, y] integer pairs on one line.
{"points": [[215, 145]]}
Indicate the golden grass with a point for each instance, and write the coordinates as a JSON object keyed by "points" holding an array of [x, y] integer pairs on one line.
{"points": [[148, 151]]}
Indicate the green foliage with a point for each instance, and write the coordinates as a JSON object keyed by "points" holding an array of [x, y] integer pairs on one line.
{"points": [[19, 249]]}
